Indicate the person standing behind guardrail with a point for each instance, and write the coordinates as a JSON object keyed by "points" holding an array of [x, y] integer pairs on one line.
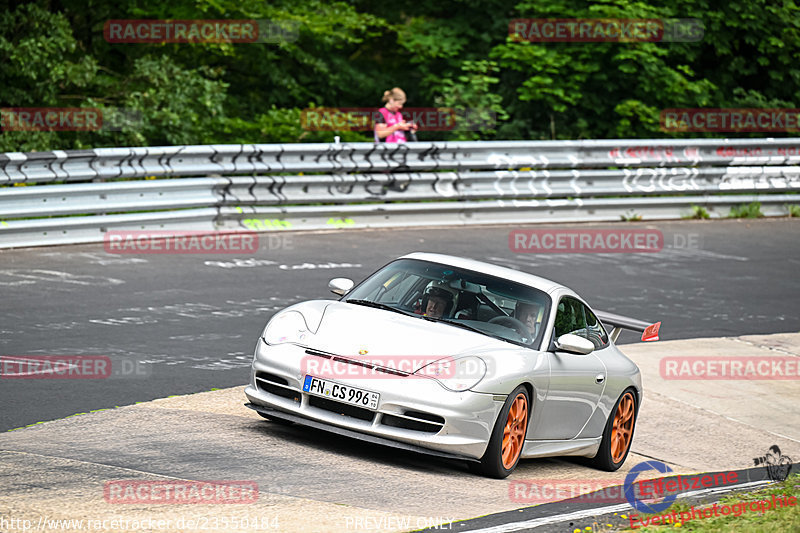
{"points": [[390, 126]]}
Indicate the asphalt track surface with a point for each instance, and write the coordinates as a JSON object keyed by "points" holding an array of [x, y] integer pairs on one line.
{"points": [[175, 324]]}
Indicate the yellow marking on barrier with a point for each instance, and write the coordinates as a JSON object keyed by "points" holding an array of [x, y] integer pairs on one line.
{"points": [[340, 223], [260, 224]]}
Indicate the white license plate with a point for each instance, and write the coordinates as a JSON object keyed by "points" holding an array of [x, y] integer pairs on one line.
{"points": [[341, 393]]}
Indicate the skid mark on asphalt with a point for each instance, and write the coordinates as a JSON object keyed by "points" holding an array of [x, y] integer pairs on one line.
{"points": [[204, 337], [91, 258], [28, 277], [133, 364], [253, 262], [667, 256], [177, 312], [694, 301], [204, 362]]}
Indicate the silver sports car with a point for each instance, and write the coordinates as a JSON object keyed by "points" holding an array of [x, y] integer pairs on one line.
{"points": [[456, 358]]}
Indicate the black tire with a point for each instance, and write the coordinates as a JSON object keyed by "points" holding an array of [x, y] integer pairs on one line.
{"points": [[605, 460], [492, 463], [276, 420]]}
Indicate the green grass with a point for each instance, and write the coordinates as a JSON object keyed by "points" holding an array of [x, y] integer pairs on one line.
{"points": [[794, 210], [770, 521], [698, 212], [631, 216], [751, 210]]}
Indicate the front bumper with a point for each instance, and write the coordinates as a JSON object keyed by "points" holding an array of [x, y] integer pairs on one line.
{"points": [[416, 411]]}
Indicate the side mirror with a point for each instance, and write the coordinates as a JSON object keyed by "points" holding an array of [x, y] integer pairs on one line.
{"points": [[340, 286], [575, 344]]}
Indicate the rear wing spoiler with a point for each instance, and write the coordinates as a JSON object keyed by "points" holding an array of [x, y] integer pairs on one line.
{"points": [[618, 323]]}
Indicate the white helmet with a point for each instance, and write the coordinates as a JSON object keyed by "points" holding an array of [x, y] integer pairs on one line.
{"points": [[443, 290]]}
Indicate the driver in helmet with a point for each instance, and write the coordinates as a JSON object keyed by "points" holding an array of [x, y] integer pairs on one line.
{"points": [[438, 300]]}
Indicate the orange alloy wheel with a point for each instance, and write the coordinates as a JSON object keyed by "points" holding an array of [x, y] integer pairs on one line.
{"points": [[623, 428], [514, 432]]}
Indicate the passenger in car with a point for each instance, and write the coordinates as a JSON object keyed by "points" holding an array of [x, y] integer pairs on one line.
{"points": [[528, 314]]}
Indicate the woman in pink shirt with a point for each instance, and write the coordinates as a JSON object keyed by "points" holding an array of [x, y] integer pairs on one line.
{"points": [[390, 126]]}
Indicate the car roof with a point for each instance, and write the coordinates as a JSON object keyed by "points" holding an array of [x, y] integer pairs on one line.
{"points": [[510, 274]]}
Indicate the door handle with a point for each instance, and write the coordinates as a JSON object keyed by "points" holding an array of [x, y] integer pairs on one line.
{"points": [[599, 378]]}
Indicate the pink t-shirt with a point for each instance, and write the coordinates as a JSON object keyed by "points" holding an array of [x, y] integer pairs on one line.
{"points": [[390, 119]]}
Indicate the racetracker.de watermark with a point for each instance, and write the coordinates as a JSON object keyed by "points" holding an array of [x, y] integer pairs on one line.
{"points": [[425, 118], [55, 367], [584, 241], [389, 366], [200, 31], [730, 120], [715, 367], [71, 367], [181, 242], [68, 119], [594, 30], [134, 491], [538, 491]]}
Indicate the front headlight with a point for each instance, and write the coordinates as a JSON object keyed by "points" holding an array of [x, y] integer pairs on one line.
{"points": [[288, 327], [456, 375]]}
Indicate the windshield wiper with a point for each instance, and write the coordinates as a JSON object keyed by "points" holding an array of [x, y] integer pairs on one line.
{"points": [[377, 305]]}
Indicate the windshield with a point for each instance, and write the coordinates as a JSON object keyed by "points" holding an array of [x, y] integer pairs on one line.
{"points": [[493, 306]]}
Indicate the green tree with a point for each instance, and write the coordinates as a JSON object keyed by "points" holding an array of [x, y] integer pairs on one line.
{"points": [[451, 53]]}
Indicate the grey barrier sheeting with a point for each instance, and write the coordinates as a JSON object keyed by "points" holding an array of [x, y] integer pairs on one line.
{"points": [[77, 196]]}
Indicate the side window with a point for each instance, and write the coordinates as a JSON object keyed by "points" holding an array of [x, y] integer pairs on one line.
{"points": [[595, 330], [570, 318], [574, 317]]}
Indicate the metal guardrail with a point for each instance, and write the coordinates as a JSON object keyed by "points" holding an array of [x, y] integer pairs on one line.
{"points": [[76, 196]]}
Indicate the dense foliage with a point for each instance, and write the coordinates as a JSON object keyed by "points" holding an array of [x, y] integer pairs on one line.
{"points": [[454, 53]]}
